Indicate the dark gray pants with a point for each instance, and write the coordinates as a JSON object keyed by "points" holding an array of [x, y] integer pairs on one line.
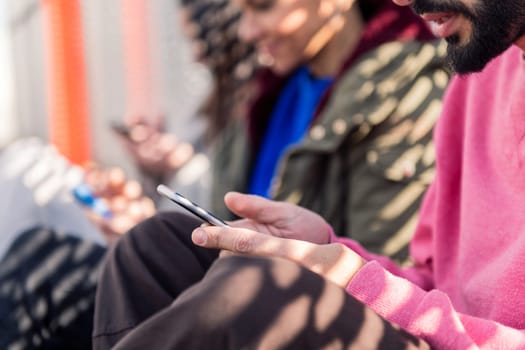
{"points": [[47, 291], [159, 291]]}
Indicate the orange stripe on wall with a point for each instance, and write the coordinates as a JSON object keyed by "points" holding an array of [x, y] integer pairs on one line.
{"points": [[67, 96]]}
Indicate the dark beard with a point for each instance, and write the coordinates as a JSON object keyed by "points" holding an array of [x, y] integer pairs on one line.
{"points": [[496, 24]]}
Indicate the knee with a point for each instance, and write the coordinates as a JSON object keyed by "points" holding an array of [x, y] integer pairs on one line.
{"points": [[159, 229], [255, 283], [248, 300], [160, 224], [259, 271]]}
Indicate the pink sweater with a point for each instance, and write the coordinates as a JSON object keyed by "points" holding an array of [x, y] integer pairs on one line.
{"points": [[467, 290]]}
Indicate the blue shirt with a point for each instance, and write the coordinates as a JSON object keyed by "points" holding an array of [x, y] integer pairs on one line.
{"points": [[288, 123]]}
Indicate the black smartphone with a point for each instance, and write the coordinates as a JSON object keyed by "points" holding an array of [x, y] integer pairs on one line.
{"points": [[190, 206], [120, 128]]}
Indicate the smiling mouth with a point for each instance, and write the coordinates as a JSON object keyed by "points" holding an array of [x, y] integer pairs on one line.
{"points": [[443, 24], [438, 18], [443, 19]]}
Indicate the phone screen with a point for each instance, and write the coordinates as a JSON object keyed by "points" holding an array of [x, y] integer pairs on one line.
{"points": [[120, 128], [190, 206]]}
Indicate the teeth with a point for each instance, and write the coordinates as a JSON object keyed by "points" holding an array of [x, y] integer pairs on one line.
{"points": [[442, 19]]}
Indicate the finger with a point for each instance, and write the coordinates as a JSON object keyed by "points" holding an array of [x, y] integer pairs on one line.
{"points": [[254, 207], [118, 204], [224, 253], [140, 133], [335, 261], [243, 223], [235, 240], [250, 224], [167, 143], [238, 240], [249, 242], [179, 155], [116, 180], [132, 190]]}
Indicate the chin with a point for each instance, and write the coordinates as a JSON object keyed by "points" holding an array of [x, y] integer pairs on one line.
{"points": [[282, 69]]}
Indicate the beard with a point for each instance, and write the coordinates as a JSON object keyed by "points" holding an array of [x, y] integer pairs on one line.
{"points": [[496, 24]]}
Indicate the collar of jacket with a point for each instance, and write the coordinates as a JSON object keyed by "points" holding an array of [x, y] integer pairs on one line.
{"points": [[371, 92]]}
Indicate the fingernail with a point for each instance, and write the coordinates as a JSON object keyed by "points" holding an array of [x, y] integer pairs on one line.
{"points": [[199, 237]]}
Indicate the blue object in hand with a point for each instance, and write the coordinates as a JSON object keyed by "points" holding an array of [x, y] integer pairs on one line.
{"points": [[85, 196]]}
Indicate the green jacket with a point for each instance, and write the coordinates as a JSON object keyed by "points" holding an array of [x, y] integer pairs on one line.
{"points": [[368, 157]]}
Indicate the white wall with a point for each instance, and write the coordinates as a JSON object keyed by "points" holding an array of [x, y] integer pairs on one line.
{"points": [[9, 127], [180, 84], [26, 43]]}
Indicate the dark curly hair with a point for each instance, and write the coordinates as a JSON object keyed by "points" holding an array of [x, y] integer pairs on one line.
{"points": [[214, 25], [370, 7]]}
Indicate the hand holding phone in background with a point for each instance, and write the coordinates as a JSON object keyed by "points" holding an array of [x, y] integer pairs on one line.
{"points": [[113, 203], [154, 151]]}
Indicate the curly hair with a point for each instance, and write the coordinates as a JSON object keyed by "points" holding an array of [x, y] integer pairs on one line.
{"points": [[370, 7], [214, 25]]}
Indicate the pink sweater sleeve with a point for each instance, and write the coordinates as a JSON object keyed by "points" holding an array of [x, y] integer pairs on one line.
{"points": [[428, 315], [406, 297], [421, 275], [421, 248]]}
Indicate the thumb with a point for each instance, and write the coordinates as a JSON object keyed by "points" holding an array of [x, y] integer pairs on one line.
{"points": [[254, 207]]}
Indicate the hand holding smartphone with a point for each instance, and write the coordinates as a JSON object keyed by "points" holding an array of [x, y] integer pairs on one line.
{"points": [[190, 206]]}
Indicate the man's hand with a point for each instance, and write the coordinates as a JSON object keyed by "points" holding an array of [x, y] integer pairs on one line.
{"points": [[278, 219], [334, 262]]}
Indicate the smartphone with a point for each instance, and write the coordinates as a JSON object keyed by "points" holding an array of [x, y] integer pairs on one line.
{"points": [[190, 206], [120, 128]]}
